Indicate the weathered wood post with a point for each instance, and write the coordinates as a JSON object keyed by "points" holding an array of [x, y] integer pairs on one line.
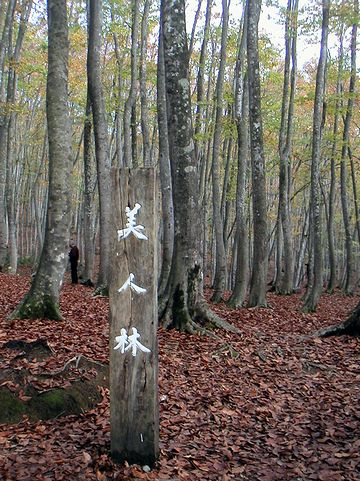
{"points": [[134, 414]]}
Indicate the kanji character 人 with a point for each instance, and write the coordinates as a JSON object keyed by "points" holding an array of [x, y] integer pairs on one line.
{"points": [[129, 283]]}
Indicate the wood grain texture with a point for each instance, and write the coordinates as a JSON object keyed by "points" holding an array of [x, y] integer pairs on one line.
{"points": [[134, 380]]}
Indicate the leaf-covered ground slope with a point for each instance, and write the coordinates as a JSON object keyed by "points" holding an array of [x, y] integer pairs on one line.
{"points": [[287, 408]]}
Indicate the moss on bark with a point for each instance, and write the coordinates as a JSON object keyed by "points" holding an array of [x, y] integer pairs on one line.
{"points": [[37, 307]]}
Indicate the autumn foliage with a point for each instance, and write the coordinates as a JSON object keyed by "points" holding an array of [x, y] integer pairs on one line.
{"points": [[273, 404]]}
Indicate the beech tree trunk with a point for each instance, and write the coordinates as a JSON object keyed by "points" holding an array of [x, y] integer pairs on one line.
{"points": [[350, 280], [238, 295], [179, 305], [183, 303], [145, 127], [285, 272], [331, 241], [218, 224], [42, 300], [101, 137], [4, 122], [316, 262], [89, 187], [167, 207], [257, 295], [129, 104]]}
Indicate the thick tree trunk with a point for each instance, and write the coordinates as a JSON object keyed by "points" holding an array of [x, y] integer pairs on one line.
{"points": [[101, 137], [42, 301], [184, 302], [184, 286], [257, 295], [315, 288]]}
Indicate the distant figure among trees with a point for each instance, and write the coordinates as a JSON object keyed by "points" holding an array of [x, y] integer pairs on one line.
{"points": [[74, 259]]}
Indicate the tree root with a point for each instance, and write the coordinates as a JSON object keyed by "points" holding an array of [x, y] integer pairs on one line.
{"points": [[205, 315], [350, 327], [20, 397]]}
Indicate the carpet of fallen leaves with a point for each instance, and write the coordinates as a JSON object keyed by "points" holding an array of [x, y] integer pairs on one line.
{"points": [[287, 408]]}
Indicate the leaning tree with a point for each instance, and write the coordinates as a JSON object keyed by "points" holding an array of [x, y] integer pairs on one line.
{"points": [[42, 300]]}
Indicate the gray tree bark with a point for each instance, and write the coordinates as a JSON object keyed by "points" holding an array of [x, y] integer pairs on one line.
{"points": [[89, 187], [145, 126], [350, 279], [101, 137], [183, 303], [167, 207], [129, 104], [200, 80], [316, 263], [331, 241], [42, 300], [218, 223], [285, 271], [257, 295], [5, 45], [238, 295]]}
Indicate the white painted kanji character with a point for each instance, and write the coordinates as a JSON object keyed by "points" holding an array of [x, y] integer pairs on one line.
{"points": [[122, 341], [129, 283], [131, 226], [134, 344]]}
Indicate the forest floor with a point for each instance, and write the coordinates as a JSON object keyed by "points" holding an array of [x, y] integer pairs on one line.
{"points": [[287, 408]]}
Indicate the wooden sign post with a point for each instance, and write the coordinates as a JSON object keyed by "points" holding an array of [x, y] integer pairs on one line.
{"points": [[134, 412]]}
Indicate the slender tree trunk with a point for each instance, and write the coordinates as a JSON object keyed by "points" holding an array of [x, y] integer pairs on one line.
{"points": [[285, 271], [356, 202], [165, 174], [88, 197], [238, 295], [220, 255], [143, 92], [11, 95], [200, 80], [193, 30], [42, 301], [350, 265], [118, 118], [101, 137], [257, 295], [331, 242], [129, 104], [5, 46], [302, 250], [315, 288]]}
